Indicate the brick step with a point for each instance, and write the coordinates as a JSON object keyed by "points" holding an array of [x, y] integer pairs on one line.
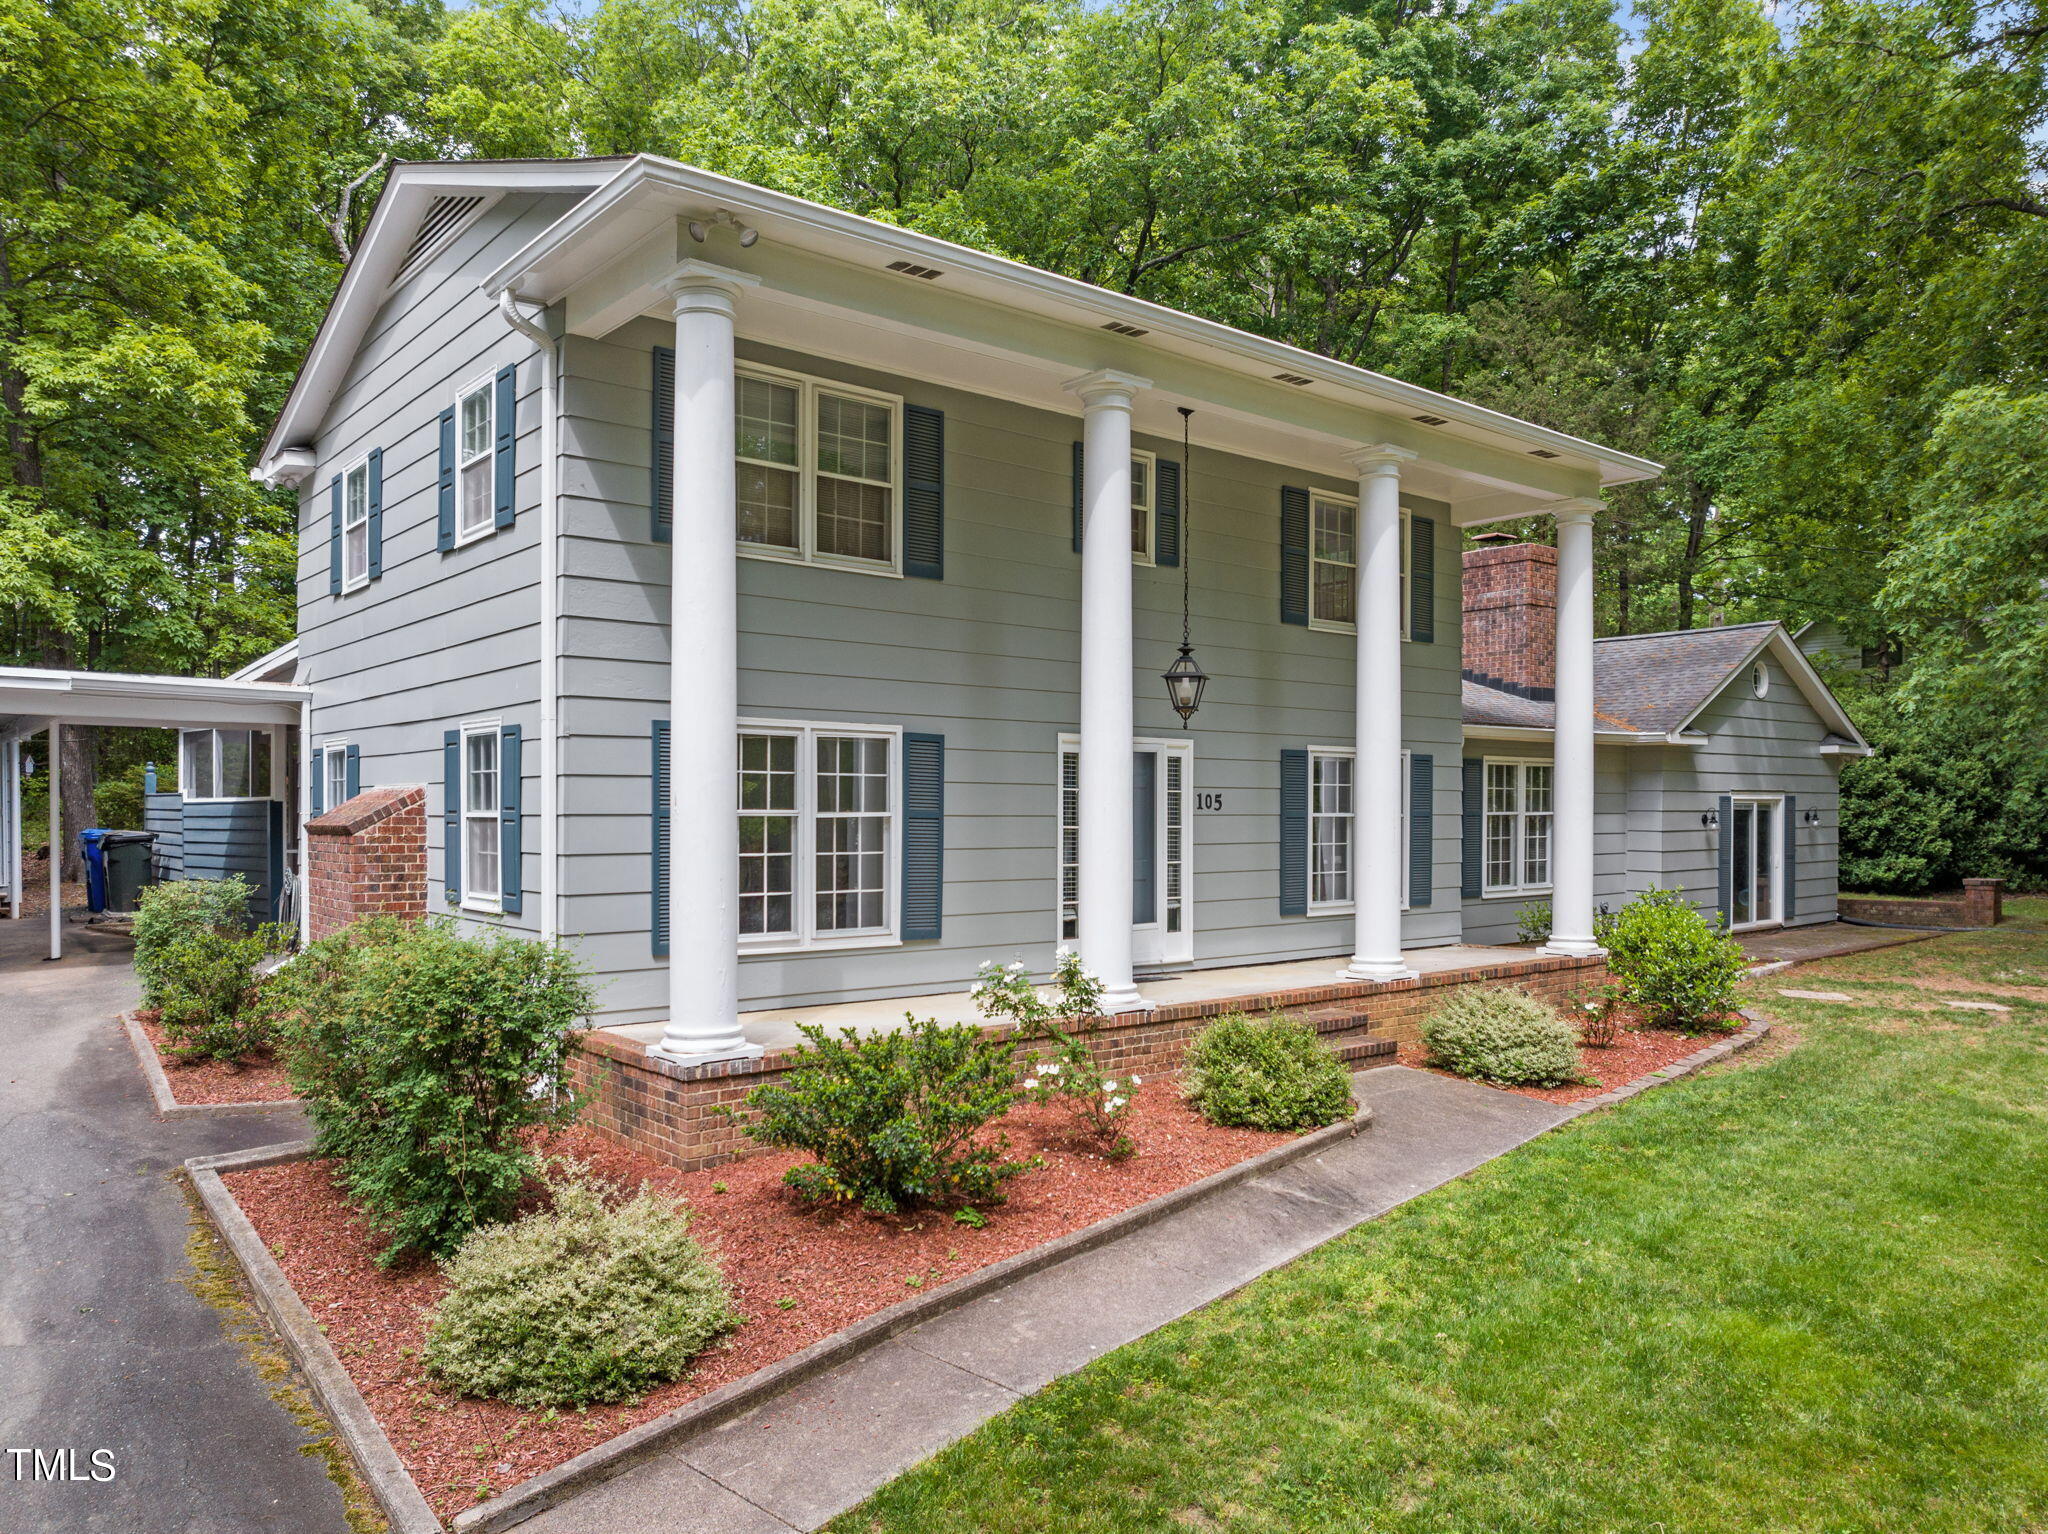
{"points": [[1352, 1051], [1333, 1016]]}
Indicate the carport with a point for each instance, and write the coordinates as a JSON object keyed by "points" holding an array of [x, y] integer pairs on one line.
{"points": [[33, 701]]}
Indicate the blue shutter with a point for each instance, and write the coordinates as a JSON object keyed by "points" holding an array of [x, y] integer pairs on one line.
{"points": [[316, 790], [662, 490], [1293, 554], [1724, 862], [1294, 832], [354, 782], [511, 874], [1422, 579], [924, 493], [1144, 838], [334, 536], [1077, 497], [444, 535], [451, 815], [1166, 512], [1788, 875], [657, 878], [376, 512], [1472, 830], [924, 836], [505, 471], [1421, 847]]}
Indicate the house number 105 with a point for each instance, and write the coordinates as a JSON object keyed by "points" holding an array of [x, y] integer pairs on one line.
{"points": [[1208, 801]]}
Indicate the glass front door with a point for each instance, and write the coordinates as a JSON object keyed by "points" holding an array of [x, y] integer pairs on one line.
{"points": [[1162, 928], [1753, 888]]}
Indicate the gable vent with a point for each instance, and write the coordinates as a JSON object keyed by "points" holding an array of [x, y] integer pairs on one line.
{"points": [[444, 216], [1293, 378], [1429, 420], [1120, 328], [1541, 452], [912, 269]]}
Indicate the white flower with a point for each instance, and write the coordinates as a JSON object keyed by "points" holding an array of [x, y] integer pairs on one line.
{"points": [[1114, 1103], [1016, 965], [1048, 1067], [1137, 1081], [1109, 1086]]}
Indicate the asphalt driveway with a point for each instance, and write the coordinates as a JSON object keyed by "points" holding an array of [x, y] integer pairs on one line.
{"points": [[103, 1348]]}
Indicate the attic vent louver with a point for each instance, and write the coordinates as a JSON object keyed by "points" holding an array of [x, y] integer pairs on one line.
{"points": [[1541, 452], [1430, 420], [443, 217], [1120, 328], [912, 269], [1293, 378]]}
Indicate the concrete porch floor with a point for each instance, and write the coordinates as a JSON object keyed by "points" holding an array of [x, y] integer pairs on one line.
{"points": [[776, 1027]]}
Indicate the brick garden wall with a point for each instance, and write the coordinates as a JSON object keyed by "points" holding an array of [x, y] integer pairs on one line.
{"points": [[1982, 905], [671, 1111], [366, 857]]}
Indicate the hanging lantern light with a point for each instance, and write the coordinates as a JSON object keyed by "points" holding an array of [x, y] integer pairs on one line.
{"points": [[1185, 678]]}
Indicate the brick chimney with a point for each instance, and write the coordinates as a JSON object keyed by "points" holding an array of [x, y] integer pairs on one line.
{"points": [[1511, 616]]}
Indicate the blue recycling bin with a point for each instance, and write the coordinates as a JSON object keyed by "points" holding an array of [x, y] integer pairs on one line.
{"points": [[89, 843]]}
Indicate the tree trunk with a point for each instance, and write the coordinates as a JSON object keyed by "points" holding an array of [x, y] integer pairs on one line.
{"points": [[75, 789], [1698, 506]]}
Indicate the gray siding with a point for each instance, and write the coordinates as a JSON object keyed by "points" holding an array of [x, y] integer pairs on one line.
{"points": [[165, 815], [989, 658], [1494, 919], [218, 839]]}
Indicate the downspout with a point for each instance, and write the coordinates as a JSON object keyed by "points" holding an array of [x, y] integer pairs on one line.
{"points": [[550, 601], [304, 892]]}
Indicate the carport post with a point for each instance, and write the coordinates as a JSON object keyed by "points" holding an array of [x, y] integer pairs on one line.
{"points": [[56, 849]]}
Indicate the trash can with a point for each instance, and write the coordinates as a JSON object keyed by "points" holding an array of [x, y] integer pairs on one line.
{"points": [[89, 844], [127, 859]]}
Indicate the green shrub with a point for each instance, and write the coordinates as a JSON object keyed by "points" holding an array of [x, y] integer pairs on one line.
{"points": [[1532, 922], [1679, 971], [1503, 1035], [1064, 1073], [422, 1054], [893, 1118], [580, 1303], [165, 913], [1266, 1073]]}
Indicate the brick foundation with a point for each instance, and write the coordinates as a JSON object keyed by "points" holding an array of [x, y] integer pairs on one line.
{"points": [[671, 1111], [1982, 905], [367, 857]]}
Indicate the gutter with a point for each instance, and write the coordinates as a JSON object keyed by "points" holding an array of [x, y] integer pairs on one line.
{"points": [[550, 600]]}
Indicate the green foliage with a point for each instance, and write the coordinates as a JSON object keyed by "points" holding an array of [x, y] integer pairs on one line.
{"points": [[1064, 1073], [422, 1055], [167, 912], [1502, 1034], [1679, 970], [582, 1303], [208, 986], [895, 1118], [1532, 922], [1265, 1073]]}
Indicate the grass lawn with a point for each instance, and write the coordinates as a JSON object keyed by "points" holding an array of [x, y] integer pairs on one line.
{"points": [[1807, 1290]]}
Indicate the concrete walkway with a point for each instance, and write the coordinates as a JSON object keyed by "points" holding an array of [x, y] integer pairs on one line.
{"points": [[806, 1456], [102, 1347], [1823, 940]]}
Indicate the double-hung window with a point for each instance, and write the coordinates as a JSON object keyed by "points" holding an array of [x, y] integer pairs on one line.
{"points": [[355, 527], [1144, 478], [475, 438], [1333, 562], [818, 835], [334, 772], [1518, 809], [224, 764], [482, 877], [819, 465], [1333, 869]]}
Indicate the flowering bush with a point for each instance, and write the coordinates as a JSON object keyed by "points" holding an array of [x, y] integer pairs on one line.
{"points": [[1063, 1068], [1599, 1016]]}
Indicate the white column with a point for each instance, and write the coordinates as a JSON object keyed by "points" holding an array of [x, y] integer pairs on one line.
{"points": [[56, 842], [1104, 896], [1379, 870], [704, 849], [1571, 837]]}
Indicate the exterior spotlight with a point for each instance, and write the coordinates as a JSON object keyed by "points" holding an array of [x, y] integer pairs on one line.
{"points": [[748, 236], [698, 232], [1184, 683]]}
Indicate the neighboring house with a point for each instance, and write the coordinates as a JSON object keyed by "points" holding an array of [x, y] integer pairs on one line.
{"points": [[1822, 640], [716, 560]]}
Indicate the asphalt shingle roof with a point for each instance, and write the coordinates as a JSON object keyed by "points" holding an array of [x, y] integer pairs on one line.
{"points": [[1648, 683]]}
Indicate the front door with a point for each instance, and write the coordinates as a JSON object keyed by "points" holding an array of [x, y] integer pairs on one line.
{"points": [[1753, 890], [1162, 925]]}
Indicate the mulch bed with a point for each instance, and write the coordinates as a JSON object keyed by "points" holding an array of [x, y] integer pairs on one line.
{"points": [[837, 1264], [194, 1083], [1637, 1050]]}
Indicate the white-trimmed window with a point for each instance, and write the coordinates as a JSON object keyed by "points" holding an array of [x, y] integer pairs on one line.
{"points": [[1518, 810], [1333, 563], [224, 764], [482, 798], [819, 466], [476, 437], [333, 767], [1333, 830], [1144, 509], [818, 835], [355, 527]]}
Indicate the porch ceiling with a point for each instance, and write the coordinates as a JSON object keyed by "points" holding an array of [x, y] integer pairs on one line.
{"points": [[30, 698]]}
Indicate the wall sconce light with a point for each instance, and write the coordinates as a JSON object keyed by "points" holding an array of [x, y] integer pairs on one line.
{"points": [[1711, 819], [1810, 817]]}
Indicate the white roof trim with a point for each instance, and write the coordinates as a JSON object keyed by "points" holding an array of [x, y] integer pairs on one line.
{"points": [[1600, 737], [286, 652], [1780, 644], [165, 702], [697, 188]]}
